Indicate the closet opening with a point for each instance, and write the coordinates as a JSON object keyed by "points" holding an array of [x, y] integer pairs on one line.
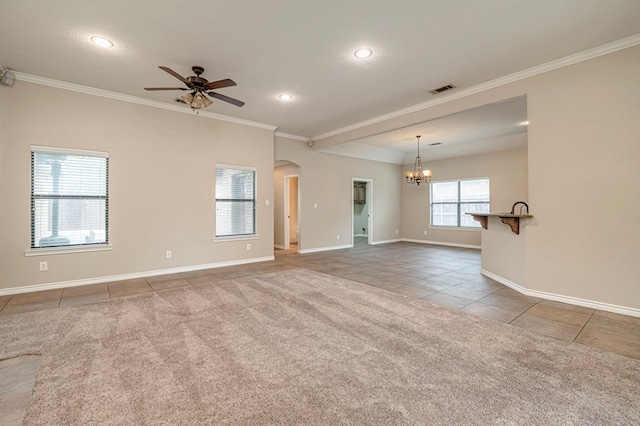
{"points": [[362, 212]]}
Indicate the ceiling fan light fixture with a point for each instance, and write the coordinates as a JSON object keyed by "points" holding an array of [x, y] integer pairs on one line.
{"points": [[187, 99], [198, 87], [198, 101], [101, 41]]}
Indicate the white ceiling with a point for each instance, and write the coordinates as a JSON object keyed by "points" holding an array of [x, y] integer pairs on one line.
{"points": [[495, 127], [305, 47]]}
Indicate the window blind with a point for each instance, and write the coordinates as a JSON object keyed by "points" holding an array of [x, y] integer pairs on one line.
{"points": [[69, 198], [450, 201], [235, 201]]}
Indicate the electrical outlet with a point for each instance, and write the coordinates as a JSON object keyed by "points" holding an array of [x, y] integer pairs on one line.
{"points": [[266, 202], [338, 237], [169, 254], [248, 246], [44, 266], [315, 205], [396, 232], [425, 232]]}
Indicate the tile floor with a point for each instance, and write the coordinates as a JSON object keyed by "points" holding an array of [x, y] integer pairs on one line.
{"points": [[17, 377], [445, 276]]}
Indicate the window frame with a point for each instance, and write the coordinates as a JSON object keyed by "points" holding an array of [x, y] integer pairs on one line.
{"points": [[458, 204], [67, 248], [234, 237]]}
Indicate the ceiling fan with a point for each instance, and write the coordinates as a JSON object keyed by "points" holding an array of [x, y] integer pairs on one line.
{"points": [[198, 87]]}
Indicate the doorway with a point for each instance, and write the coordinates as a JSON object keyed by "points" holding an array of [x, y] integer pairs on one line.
{"points": [[291, 208], [362, 212]]}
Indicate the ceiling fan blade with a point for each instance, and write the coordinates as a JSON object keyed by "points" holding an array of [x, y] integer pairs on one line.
{"points": [[226, 99], [227, 82], [175, 74], [165, 88]]}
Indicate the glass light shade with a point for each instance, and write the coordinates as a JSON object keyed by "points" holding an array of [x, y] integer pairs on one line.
{"points": [[188, 98]]}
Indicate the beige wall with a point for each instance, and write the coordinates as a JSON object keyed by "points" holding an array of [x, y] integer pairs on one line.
{"points": [[161, 183], [507, 171], [584, 169], [504, 253], [584, 165], [326, 180]]}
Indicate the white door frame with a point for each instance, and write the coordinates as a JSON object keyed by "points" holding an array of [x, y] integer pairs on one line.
{"points": [[369, 209], [287, 219]]}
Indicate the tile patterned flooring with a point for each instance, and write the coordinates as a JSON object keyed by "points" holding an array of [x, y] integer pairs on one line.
{"points": [[446, 276]]}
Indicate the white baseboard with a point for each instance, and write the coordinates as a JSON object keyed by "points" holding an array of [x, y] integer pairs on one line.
{"points": [[278, 246], [397, 240], [98, 280], [314, 250], [564, 299], [441, 243]]}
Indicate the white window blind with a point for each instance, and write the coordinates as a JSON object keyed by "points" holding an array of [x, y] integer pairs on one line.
{"points": [[235, 201], [69, 198], [450, 201]]}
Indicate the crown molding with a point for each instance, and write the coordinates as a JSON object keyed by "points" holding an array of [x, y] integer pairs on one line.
{"points": [[292, 136], [520, 75], [135, 100]]}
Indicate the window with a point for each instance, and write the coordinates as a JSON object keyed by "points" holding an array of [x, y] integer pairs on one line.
{"points": [[235, 201], [69, 197], [451, 200]]}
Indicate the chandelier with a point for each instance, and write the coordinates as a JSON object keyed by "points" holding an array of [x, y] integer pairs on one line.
{"points": [[419, 174]]}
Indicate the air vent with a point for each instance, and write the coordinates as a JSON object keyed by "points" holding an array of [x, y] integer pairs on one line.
{"points": [[435, 144], [443, 89]]}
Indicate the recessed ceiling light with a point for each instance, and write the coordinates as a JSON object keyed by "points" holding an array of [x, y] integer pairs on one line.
{"points": [[285, 97], [101, 41], [363, 53]]}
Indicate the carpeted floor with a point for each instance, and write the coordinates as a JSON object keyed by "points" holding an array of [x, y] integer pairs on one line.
{"points": [[302, 347]]}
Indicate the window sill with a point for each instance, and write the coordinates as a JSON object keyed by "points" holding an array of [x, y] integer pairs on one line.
{"points": [[66, 250], [455, 228], [238, 238]]}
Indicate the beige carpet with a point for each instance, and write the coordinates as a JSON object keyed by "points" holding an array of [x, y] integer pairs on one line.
{"points": [[300, 347]]}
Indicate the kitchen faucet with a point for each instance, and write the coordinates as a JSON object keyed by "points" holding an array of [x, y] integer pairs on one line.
{"points": [[519, 202]]}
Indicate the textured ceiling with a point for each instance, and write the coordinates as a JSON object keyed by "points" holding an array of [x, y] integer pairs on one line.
{"points": [[304, 47], [495, 127]]}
